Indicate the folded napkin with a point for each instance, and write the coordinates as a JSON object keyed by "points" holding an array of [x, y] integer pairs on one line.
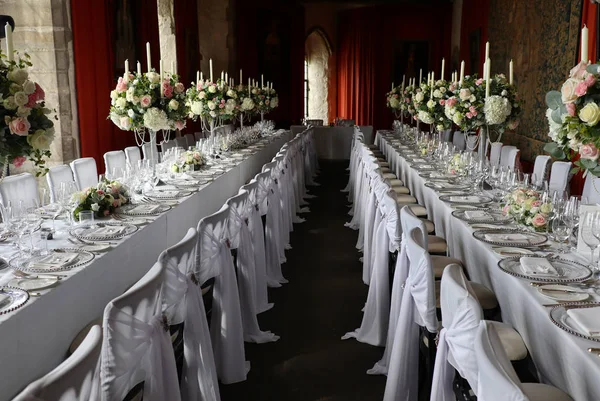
{"points": [[107, 231], [535, 266], [419, 160], [55, 260], [436, 175], [446, 185], [478, 215], [168, 194], [587, 319], [470, 199], [506, 237], [145, 208]]}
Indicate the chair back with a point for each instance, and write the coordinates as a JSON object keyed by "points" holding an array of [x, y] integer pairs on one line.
{"points": [[114, 159], [198, 135], [20, 187], [591, 189], [541, 169], [85, 172], [263, 186], [164, 145], [212, 233], [495, 152], [459, 141], [559, 177], [410, 221], [508, 156], [76, 379], [147, 151], [56, 176], [181, 142], [446, 136], [190, 140], [132, 154], [238, 215]]}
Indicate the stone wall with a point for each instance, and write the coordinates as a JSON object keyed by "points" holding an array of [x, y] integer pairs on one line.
{"points": [[317, 54]]}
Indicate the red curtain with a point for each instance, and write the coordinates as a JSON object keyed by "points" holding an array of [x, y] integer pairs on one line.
{"points": [[96, 75], [474, 25]]}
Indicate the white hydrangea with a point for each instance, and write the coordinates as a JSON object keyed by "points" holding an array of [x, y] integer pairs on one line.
{"points": [[230, 106], [425, 117], [554, 126], [394, 103], [496, 109], [274, 102], [248, 104], [430, 104], [155, 119], [419, 97], [196, 108]]}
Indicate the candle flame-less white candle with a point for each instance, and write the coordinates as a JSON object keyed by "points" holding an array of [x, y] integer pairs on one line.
{"points": [[462, 72], [139, 68], [226, 77], [432, 84], [584, 43], [262, 81], [488, 83], [211, 70], [126, 75], [241, 81], [172, 67], [487, 50], [510, 72], [420, 76], [9, 42], [249, 87], [443, 65], [148, 58], [161, 77], [197, 78]]}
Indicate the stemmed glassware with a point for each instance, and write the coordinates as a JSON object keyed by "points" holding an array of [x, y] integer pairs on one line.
{"points": [[590, 226], [561, 232]]}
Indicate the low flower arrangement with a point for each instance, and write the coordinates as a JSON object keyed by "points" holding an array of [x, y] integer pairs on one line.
{"points": [[456, 165], [573, 116], [102, 199], [190, 160], [266, 127], [525, 206], [26, 131], [393, 100], [503, 107], [137, 104], [210, 101], [465, 108]]}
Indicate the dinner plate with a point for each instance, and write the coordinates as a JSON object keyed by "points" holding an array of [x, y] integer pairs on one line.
{"points": [[568, 270], [564, 293], [169, 194], [559, 316], [444, 185], [104, 231], [491, 217], [36, 283], [15, 299], [510, 251], [466, 200], [510, 237], [144, 209], [42, 264]]}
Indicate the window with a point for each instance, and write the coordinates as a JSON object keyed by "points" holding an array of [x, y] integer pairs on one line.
{"points": [[306, 88]]}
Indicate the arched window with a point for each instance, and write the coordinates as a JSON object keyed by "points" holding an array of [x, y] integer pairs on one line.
{"points": [[306, 88], [316, 76]]}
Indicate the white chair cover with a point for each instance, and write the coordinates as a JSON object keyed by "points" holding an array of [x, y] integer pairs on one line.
{"points": [[591, 189], [257, 233], [417, 309], [241, 239], [114, 159], [458, 140], [76, 379], [279, 198], [508, 156], [147, 151], [137, 356], [190, 140], [214, 260], [541, 168], [198, 135], [461, 314], [447, 135], [132, 154], [20, 187], [57, 175], [85, 172], [495, 151], [559, 177], [166, 145], [182, 304], [181, 142], [497, 379]]}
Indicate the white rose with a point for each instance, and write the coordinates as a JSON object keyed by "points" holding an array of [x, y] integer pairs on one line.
{"points": [[464, 94], [131, 113], [457, 118], [231, 93], [430, 104], [114, 95], [472, 98], [41, 139], [95, 207], [125, 123], [504, 93], [29, 87], [129, 95], [213, 114], [211, 105], [196, 108], [18, 75], [21, 98], [419, 97], [121, 103], [9, 103], [153, 77], [437, 93], [212, 89], [173, 104], [248, 104], [202, 94], [590, 114], [443, 89], [425, 117], [23, 111]]}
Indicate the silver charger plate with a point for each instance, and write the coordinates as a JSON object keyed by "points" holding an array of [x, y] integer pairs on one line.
{"points": [[170, 194], [466, 200], [568, 270], [426, 167], [18, 298], [437, 176], [495, 217], [87, 233], [439, 185], [533, 238], [560, 318], [130, 210], [26, 266]]}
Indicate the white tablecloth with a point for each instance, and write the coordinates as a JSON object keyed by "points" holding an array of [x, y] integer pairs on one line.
{"points": [[561, 358], [35, 339]]}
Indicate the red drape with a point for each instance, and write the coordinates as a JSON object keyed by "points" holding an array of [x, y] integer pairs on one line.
{"points": [[95, 75]]}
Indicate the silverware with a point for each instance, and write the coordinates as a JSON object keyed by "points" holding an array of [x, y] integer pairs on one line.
{"points": [[594, 351], [22, 274], [34, 294], [76, 240]]}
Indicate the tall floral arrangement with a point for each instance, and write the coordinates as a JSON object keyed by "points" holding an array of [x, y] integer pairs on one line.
{"points": [[265, 99], [407, 101], [573, 116], [441, 92], [423, 104], [210, 101], [503, 107], [393, 99], [142, 101], [26, 130], [465, 107], [245, 99]]}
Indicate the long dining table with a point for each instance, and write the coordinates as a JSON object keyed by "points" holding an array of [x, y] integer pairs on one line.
{"points": [[35, 338], [561, 358]]}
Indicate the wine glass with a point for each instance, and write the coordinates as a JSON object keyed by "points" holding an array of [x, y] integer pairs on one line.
{"points": [[561, 232], [590, 221]]}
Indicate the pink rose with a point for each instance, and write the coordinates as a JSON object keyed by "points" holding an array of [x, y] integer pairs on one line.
{"points": [[581, 89], [39, 92], [579, 71], [180, 125], [539, 220], [100, 192], [442, 102], [121, 85], [588, 151], [479, 81], [512, 125], [32, 100], [567, 91], [106, 212], [19, 160], [407, 100], [19, 126], [469, 115], [590, 80], [168, 91], [452, 87], [146, 101], [571, 109], [451, 102], [199, 86], [536, 203], [473, 110], [221, 105]]}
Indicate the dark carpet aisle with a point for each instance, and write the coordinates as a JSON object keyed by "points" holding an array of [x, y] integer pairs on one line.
{"points": [[322, 301]]}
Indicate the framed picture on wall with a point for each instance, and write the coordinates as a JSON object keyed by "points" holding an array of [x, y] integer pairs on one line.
{"points": [[474, 51], [409, 58]]}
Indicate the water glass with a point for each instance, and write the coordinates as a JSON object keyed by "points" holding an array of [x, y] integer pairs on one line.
{"points": [[590, 221], [86, 218]]}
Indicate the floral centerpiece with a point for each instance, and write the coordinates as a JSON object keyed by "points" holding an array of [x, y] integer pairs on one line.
{"points": [[573, 116], [422, 103], [441, 93], [142, 101], [213, 102], [407, 103], [457, 165], [190, 160], [102, 199], [245, 99], [393, 100], [25, 128], [465, 107], [525, 206], [503, 107], [265, 100]]}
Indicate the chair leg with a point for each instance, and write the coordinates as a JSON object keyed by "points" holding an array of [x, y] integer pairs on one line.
{"points": [[427, 354]]}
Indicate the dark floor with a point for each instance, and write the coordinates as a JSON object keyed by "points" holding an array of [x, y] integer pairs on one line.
{"points": [[322, 302]]}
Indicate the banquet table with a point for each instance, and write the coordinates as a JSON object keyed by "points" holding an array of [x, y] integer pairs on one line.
{"points": [[561, 358], [35, 338]]}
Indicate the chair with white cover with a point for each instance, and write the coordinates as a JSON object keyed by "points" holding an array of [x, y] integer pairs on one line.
{"points": [[85, 172], [509, 156], [76, 379], [166, 145], [495, 151], [280, 199], [559, 177], [132, 154], [114, 160], [446, 136], [19, 187], [190, 139], [184, 308], [198, 135], [461, 314], [591, 189], [541, 169], [147, 151], [497, 379], [137, 355], [459, 141], [257, 233], [240, 240], [56, 176], [181, 142], [214, 260]]}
